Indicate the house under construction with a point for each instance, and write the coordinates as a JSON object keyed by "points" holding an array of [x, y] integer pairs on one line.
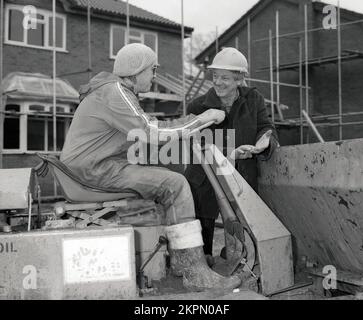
{"points": [[307, 217]]}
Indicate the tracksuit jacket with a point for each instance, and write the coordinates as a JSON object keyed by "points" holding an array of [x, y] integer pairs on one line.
{"points": [[96, 145]]}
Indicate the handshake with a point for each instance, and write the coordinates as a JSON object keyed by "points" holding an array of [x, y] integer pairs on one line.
{"points": [[215, 116], [246, 151]]}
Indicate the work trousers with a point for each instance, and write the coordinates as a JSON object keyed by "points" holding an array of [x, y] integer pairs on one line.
{"points": [[168, 188]]}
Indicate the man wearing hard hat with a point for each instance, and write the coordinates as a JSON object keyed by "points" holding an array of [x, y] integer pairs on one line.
{"points": [[255, 136], [97, 146]]}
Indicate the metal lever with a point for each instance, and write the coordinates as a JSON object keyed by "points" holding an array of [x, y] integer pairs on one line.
{"points": [[244, 262], [142, 280], [161, 242]]}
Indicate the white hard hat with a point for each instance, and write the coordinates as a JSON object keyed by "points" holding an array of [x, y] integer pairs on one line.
{"points": [[230, 59], [133, 59]]}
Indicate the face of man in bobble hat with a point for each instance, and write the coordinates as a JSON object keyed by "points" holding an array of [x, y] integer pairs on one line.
{"points": [[139, 61]]}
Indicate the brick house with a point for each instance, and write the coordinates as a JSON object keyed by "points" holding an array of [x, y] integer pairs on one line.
{"points": [[323, 66], [29, 50]]}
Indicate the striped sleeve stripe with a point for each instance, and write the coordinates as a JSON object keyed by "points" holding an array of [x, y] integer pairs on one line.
{"points": [[190, 125]]}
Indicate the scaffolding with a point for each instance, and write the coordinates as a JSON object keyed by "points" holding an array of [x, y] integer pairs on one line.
{"points": [[186, 89], [306, 119]]}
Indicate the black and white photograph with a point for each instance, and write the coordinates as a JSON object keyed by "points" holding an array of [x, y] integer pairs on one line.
{"points": [[181, 156]]}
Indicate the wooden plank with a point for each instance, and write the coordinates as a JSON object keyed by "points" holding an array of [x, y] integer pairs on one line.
{"points": [[161, 96]]}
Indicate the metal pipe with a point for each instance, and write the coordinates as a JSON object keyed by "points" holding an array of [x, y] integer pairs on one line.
{"points": [[54, 90], [29, 209], [340, 75], [184, 144], [336, 116], [345, 124], [193, 83], [249, 47], [127, 22], [191, 55], [295, 287], [89, 40], [54, 80], [2, 104], [271, 78], [301, 93], [182, 53], [312, 126], [309, 30], [283, 84], [278, 66], [306, 59]]}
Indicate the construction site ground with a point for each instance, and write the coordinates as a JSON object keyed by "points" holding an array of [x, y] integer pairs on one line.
{"points": [[171, 288]]}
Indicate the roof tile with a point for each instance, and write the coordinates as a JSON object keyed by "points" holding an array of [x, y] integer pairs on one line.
{"points": [[118, 7]]}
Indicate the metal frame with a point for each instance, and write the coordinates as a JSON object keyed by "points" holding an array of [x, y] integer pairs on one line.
{"points": [[303, 66]]}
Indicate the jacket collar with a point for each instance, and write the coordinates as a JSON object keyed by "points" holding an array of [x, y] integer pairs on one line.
{"points": [[213, 101]]}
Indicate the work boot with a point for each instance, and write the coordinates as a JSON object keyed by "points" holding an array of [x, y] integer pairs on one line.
{"points": [[187, 259]]}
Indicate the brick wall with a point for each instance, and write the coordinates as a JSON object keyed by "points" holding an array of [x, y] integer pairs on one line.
{"points": [[76, 59], [24, 59]]}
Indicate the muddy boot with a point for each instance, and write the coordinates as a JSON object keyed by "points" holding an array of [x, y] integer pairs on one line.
{"points": [[187, 259]]}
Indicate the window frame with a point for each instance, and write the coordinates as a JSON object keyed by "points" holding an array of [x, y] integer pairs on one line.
{"points": [[142, 36], [47, 15], [24, 113]]}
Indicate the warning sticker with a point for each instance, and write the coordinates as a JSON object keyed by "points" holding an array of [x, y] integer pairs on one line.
{"points": [[96, 259]]}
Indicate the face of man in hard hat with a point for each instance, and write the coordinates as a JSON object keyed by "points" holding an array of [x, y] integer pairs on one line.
{"points": [[144, 79], [225, 83]]}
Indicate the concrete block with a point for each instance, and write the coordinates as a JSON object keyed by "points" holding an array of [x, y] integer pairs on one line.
{"points": [[68, 264]]}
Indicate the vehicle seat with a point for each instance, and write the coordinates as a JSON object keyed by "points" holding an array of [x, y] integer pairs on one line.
{"points": [[75, 190]]}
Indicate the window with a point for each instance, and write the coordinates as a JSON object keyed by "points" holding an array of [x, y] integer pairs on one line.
{"points": [[40, 32], [12, 127], [118, 39], [29, 127]]}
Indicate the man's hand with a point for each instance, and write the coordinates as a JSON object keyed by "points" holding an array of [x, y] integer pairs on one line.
{"points": [[212, 115], [246, 151], [242, 153]]}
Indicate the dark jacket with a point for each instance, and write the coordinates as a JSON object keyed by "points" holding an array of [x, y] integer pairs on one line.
{"points": [[248, 116]]}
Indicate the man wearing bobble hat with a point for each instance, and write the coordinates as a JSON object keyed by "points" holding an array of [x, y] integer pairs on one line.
{"points": [[96, 151]]}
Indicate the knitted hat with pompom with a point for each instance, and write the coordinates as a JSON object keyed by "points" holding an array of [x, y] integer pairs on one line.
{"points": [[133, 59]]}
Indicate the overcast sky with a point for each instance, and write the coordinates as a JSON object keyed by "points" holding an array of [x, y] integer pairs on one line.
{"points": [[205, 15]]}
